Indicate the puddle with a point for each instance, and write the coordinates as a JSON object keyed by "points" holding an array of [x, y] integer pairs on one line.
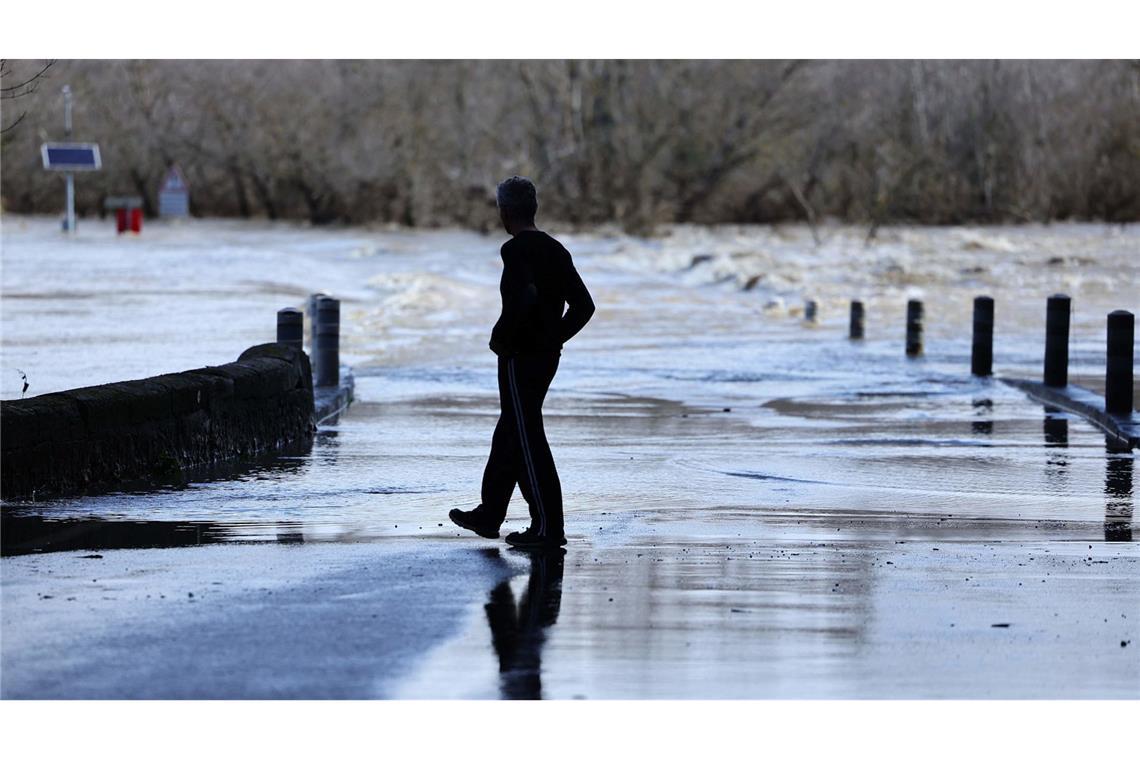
{"points": [[34, 535]]}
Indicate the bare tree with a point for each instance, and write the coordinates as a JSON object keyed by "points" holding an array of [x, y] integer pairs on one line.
{"points": [[14, 86], [636, 143]]}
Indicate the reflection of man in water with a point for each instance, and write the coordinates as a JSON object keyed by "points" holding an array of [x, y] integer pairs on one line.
{"points": [[518, 633], [539, 281]]}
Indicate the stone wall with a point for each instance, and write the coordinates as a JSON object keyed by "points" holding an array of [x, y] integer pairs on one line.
{"points": [[145, 432]]}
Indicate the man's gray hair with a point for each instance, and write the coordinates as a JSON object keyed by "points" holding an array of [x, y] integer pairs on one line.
{"points": [[517, 197]]}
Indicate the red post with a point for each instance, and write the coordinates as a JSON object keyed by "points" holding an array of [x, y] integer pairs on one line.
{"points": [[136, 220], [120, 220]]}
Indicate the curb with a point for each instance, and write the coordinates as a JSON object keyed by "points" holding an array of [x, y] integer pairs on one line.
{"points": [[330, 402], [1124, 430]]}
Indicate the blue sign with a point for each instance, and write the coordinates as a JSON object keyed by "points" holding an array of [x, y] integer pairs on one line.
{"points": [[71, 157]]}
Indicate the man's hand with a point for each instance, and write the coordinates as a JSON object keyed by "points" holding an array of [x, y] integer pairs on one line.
{"points": [[498, 347]]}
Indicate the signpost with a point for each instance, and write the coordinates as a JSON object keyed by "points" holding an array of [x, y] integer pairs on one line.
{"points": [[174, 195], [70, 157]]}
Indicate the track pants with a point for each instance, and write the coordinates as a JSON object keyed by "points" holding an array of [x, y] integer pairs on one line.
{"points": [[519, 450]]}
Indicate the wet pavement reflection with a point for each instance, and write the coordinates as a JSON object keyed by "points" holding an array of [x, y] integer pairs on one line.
{"points": [[1118, 494], [1056, 431], [1118, 465], [983, 423], [267, 466], [518, 630], [35, 534]]}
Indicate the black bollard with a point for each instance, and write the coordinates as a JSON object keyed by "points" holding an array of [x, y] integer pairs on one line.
{"points": [[291, 327], [328, 341], [1118, 363], [855, 331], [982, 355], [914, 313], [1057, 340], [810, 310], [312, 309]]}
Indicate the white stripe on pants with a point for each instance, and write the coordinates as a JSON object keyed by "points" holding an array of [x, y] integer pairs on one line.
{"points": [[525, 444]]}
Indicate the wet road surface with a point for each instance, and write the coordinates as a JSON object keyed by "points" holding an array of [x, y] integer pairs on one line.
{"points": [[755, 508]]}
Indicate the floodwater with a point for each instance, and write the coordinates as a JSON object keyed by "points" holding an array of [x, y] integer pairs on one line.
{"points": [[755, 506]]}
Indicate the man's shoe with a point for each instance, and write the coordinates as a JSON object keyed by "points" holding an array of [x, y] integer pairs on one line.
{"points": [[471, 521], [528, 539]]}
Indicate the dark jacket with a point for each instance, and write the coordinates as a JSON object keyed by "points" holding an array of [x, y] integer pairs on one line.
{"points": [[539, 281]]}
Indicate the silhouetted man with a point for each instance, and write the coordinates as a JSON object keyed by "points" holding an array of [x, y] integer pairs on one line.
{"points": [[539, 282]]}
